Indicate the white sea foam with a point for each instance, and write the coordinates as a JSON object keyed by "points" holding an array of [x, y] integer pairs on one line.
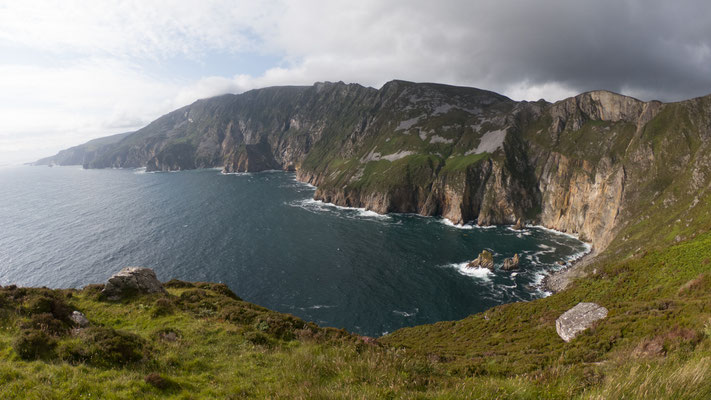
{"points": [[320, 205], [405, 313], [304, 183], [368, 213], [317, 306], [236, 173], [541, 227], [538, 283], [587, 248], [449, 222], [480, 273]]}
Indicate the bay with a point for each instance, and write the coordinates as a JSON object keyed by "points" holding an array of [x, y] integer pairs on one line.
{"points": [[263, 236]]}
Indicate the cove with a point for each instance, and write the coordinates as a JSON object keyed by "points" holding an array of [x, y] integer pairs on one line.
{"points": [[264, 236]]}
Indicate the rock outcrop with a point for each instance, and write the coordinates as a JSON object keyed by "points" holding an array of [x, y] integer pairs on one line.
{"points": [[79, 319], [484, 260], [519, 225], [578, 319], [511, 263], [132, 281]]}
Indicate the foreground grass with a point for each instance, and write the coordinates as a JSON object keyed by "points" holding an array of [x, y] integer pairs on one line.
{"points": [[202, 341]]}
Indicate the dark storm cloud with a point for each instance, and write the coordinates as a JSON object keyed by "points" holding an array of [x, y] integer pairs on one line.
{"points": [[651, 49]]}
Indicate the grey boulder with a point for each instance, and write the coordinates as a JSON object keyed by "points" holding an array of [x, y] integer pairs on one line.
{"points": [[132, 281], [578, 319], [79, 319]]}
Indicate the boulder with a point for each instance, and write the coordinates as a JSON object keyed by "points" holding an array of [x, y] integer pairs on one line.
{"points": [[79, 319], [578, 319], [519, 225], [132, 281], [511, 263], [485, 260]]}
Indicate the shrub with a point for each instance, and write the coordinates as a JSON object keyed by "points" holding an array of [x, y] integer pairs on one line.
{"points": [[219, 288], [158, 381], [46, 322], [46, 302], [178, 284], [193, 296], [257, 338], [5, 300], [239, 314], [199, 302], [33, 344], [280, 326], [106, 347], [162, 306], [93, 290]]}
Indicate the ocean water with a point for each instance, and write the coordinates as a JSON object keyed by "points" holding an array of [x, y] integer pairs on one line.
{"points": [[264, 236]]}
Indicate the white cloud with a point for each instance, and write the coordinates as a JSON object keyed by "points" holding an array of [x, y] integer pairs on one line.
{"points": [[74, 70], [526, 90], [44, 109], [134, 28]]}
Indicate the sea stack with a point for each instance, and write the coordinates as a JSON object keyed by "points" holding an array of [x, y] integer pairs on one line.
{"points": [[485, 260], [511, 263]]}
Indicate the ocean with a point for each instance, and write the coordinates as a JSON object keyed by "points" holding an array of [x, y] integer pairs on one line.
{"points": [[263, 236]]}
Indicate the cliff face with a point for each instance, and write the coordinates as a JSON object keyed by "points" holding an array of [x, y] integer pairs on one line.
{"points": [[78, 155], [585, 165]]}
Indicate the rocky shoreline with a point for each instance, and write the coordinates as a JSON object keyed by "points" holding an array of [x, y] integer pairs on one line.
{"points": [[558, 281]]}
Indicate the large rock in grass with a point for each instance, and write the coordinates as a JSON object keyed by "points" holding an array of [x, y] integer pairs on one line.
{"points": [[578, 319], [132, 281]]}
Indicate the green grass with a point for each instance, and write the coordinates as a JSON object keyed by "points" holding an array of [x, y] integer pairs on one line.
{"points": [[460, 163]]}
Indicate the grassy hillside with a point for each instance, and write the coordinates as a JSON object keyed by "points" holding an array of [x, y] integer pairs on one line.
{"points": [[202, 341]]}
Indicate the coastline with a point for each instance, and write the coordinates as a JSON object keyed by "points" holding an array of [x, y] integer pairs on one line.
{"points": [[554, 281], [557, 281]]}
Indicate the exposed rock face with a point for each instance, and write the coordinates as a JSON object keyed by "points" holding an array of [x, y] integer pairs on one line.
{"points": [[79, 319], [511, 263], [519, 225], [132, 281], [484, 260], [580, 197], [251, 158], [586, 165], [578, 319]]}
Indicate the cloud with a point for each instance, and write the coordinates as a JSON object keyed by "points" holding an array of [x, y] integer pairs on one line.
{"points": [[75, 70], [526, 50], [46, 108]]}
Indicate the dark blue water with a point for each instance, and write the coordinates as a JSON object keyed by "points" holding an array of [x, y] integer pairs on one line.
{"points": [[261, 235]]}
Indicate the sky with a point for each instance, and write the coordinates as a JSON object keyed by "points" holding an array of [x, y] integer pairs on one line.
{"points": [[71, 71]]}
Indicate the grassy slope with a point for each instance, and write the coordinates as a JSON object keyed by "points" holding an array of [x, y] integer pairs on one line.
{"points": [[226, 349]]}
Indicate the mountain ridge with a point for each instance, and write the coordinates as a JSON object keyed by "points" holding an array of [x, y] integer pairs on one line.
{"points": [[462, 153]]}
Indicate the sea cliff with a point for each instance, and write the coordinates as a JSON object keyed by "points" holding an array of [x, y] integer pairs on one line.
{"points": [[592, 165]]}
